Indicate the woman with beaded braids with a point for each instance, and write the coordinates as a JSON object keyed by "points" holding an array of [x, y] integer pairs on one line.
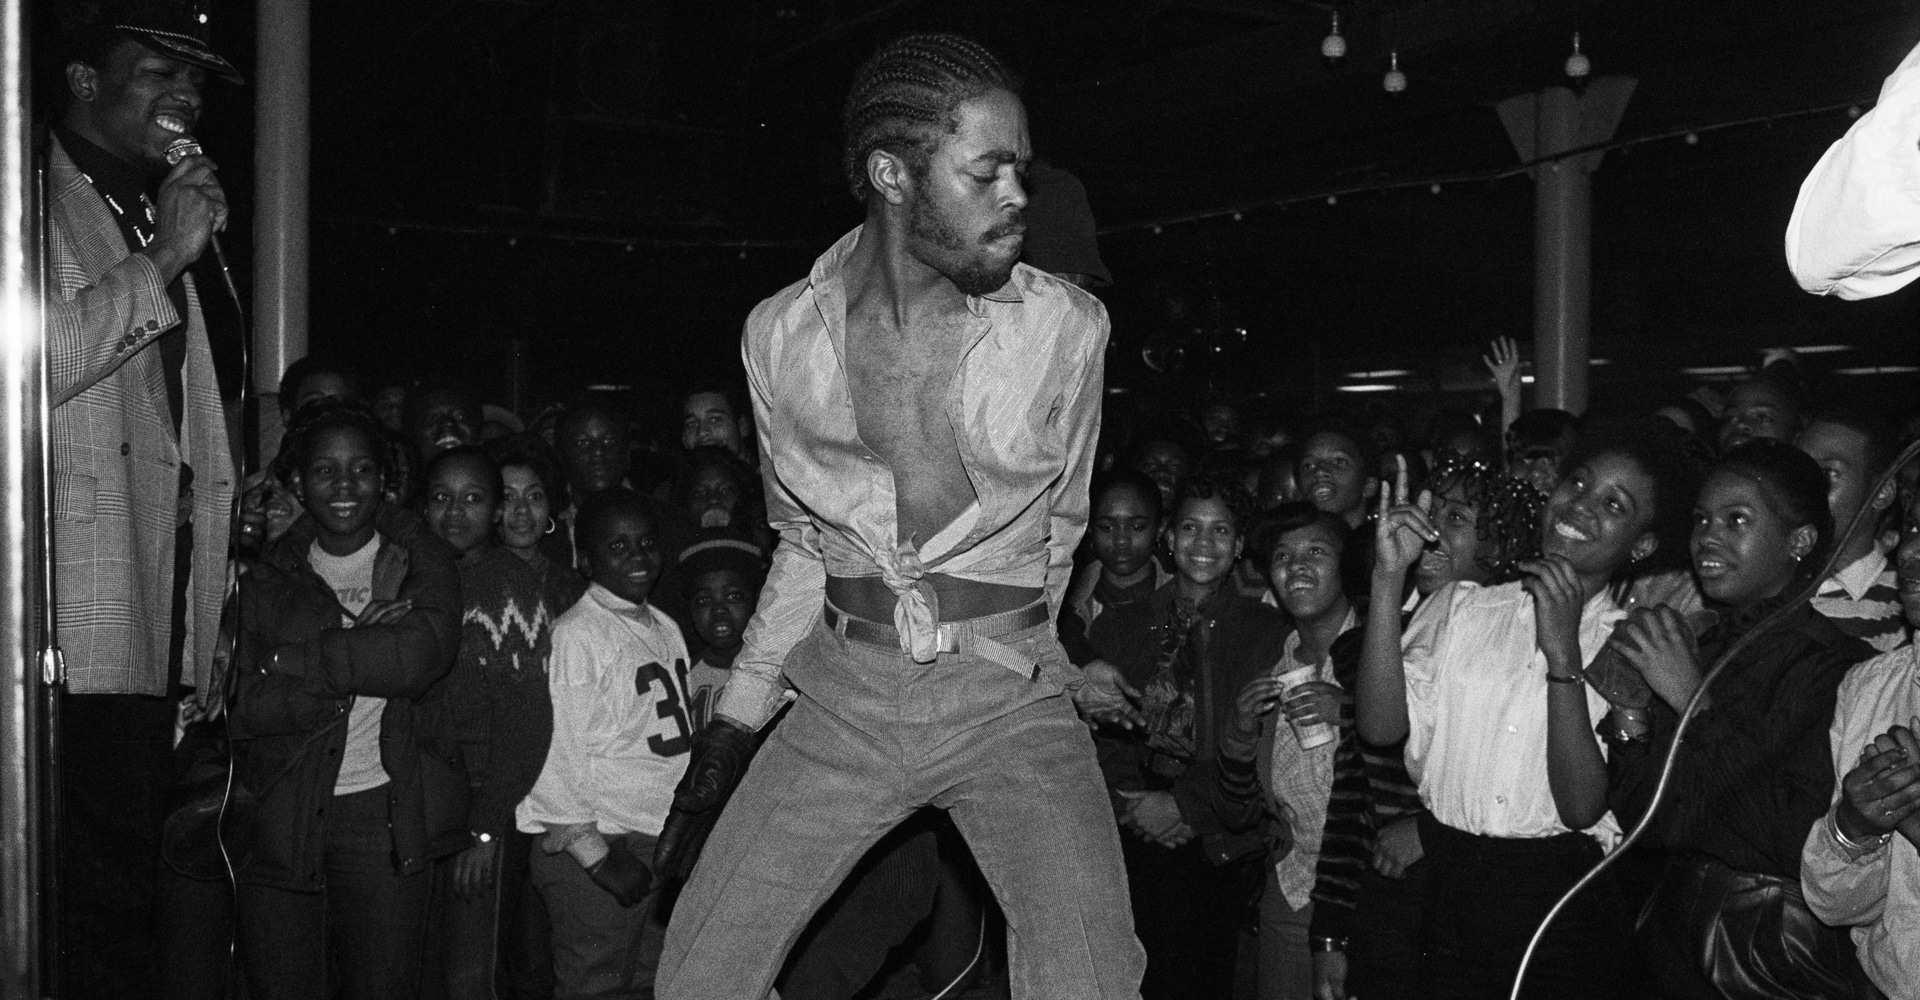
{"points": [[348, 622], [1365, 932], [1485, 687]]}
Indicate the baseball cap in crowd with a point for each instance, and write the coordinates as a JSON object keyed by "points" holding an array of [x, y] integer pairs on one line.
{"points": [[723, 553], [176, 29]]}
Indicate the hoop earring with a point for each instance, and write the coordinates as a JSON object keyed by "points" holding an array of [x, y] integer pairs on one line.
{"points": [[550, 525]]}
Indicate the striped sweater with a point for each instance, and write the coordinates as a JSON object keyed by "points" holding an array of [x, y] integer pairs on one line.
{"points": [[1863, 601], [1346, 845]]}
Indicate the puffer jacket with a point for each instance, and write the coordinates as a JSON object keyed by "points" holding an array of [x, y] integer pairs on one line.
{"points": [[292, 722]]}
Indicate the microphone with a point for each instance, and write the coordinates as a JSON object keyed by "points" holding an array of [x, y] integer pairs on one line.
{"points": [[177, 150], [181, 148]]}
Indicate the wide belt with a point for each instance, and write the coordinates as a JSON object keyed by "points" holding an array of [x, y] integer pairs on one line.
{"points": [[973, 635]]}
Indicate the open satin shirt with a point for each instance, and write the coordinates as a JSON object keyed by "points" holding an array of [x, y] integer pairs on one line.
{"points": [[1025, 407]]}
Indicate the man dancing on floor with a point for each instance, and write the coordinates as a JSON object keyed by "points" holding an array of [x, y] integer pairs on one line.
{"points": [[928, 409]]}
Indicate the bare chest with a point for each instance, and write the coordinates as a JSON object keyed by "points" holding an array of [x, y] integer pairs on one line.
{"points": [[901, 389]]}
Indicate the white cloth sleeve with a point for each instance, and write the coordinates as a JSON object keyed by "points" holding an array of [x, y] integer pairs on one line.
{"points": [[1855, 230]]}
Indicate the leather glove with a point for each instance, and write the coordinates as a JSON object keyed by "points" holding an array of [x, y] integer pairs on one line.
{"points": [[719, 758], [623, 875]]}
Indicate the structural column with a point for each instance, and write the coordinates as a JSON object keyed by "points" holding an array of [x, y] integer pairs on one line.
{"points": [[25, 930], [280, 230], [1545, 124]]}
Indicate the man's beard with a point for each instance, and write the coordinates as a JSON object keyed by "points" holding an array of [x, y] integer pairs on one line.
{"points": [[945, 250]]}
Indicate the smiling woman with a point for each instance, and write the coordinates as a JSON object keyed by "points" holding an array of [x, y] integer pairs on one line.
{"points": [[1484, 686], [348, 622], [1189, 648], [1728, 917]]}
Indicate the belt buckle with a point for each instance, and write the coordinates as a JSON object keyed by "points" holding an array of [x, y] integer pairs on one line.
{"points": [[946, 639]]}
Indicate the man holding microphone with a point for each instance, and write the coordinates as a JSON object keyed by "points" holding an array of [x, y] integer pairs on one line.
{"points": [[142, 476]]}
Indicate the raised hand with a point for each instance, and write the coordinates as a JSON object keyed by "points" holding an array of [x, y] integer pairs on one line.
{"points": [[1404, 529], [1504, 365], [1659, 643]]}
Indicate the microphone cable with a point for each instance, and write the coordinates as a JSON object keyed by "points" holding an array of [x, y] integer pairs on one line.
{"points": [[227, 683], [1693, 709]]}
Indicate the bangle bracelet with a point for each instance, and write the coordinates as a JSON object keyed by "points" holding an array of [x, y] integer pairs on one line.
{"points": [[1329, 944], [1856, 851], [1572, 679]]}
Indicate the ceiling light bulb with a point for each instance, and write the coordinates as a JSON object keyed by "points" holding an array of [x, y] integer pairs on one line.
{"points": [[1395, 81], [1578, 65], [1334, 45]]}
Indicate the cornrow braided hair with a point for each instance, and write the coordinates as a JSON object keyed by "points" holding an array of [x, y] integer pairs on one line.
{"points": [[1508, 518], [908, 93], [307, 422]]}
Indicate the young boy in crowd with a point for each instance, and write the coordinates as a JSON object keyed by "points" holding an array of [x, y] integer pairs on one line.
{"points": [[440, 417], [1862, 596], [595, 445], [1337, 476], [1166, 461], [1336, 472], [620, 740], [723, 578], [1765, 406], [1536, 445], [717, 415]]}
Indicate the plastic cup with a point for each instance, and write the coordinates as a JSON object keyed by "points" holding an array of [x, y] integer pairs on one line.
{"points": [[1309, 734]]}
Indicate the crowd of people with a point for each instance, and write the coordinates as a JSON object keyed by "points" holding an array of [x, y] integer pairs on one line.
{"points": [[574, 590], [912, 654]]}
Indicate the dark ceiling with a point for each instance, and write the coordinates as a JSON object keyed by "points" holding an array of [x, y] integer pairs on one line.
{"points": [[617, 181]]}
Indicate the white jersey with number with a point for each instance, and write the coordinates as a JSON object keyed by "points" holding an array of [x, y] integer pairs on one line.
{"points": [[620, 726]]}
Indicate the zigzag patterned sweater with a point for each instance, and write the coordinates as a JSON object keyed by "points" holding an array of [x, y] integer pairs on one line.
{"points": [[501, 706]]}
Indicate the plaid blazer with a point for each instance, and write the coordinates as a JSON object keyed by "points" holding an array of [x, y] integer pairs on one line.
{"points": [[116, 458]]}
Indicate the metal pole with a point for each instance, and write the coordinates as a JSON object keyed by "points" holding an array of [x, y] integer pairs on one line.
{"points": [[1547, 123], [1563, 248], [21, 972], [280, 230]]}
